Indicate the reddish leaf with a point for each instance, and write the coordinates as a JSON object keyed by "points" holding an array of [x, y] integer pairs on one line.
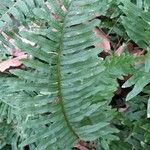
{"points": [[14, 62], [104, 43], [81, 147], [17, 52]]}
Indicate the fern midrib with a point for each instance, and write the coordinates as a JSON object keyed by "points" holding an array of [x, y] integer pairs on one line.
{"points": [[59, 79]]}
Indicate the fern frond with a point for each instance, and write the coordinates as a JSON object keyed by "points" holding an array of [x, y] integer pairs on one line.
{"points": [[67, 104], [6, 135], [133, 126], [12, 13], [136, 23], [140, 80]]}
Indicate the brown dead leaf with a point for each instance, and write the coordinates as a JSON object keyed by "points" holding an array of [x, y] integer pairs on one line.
{"points": [[134, 50], [104, 43], [14, 62]]}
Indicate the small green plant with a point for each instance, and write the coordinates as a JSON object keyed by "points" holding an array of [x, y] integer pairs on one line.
{"points": [[59, 92]]}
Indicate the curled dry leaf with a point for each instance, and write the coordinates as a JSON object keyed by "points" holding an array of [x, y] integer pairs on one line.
{"points": [[14, 62], [132, 49], [121, 49], [123, 109], [104, 43]]}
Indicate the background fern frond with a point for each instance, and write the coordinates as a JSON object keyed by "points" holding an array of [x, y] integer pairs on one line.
{"points": [[136, 23]]}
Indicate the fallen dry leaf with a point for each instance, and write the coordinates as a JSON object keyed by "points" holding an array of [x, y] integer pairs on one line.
{"points": [[81, 147], [134, 50], [17, 52], [123, 109], [104, 43], [121, 49], [14, 62]]}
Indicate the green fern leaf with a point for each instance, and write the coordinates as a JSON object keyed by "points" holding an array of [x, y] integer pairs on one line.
{"points": [[59, 99], [147, 62], [15, 12], [148, 109], [136, 23], [140, 84]]}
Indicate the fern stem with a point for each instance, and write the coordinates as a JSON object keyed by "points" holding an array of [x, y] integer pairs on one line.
{"points": [[59, 82]]}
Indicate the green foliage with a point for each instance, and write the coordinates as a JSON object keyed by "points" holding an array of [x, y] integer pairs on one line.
{"points": [[139, 29], [12, 13], [63, 92], [132, 124]]}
